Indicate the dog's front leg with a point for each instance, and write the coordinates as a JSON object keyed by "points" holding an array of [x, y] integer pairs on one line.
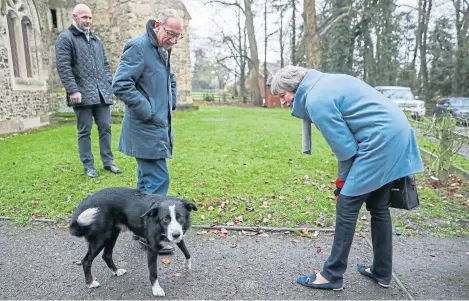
{"points": [[187, 259], [152, 257]]}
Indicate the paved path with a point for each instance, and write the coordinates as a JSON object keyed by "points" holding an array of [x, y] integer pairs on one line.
{"points": [[41, 263]]}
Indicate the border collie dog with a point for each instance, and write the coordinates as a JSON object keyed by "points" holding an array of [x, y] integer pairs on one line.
{"points": [[100, 218]]}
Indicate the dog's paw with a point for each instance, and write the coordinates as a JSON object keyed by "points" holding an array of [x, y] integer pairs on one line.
{"points": [[119, 272], [188, 264], [157, 290], [94, 284]]}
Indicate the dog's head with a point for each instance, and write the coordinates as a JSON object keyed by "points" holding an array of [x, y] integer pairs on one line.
{"points": [[173, 217]]}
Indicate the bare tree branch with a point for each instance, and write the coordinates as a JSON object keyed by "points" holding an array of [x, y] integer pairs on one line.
{"points": [[226, 3]]}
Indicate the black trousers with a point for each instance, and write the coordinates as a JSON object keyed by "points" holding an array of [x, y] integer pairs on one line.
{"points": [[102, 116], [347, 212]]}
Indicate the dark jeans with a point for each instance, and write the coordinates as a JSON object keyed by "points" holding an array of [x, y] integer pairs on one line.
{"points": [[347, 212], [102, 116], [153, 175]]}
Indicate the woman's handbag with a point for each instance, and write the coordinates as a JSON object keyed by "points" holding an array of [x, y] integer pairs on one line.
{"points": [[404, 194]]}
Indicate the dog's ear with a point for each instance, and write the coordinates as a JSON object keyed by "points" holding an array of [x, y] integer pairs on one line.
{"points": [[153, 211], [189, 206]]}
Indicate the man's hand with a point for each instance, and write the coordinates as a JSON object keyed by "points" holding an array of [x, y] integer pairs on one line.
{"points": [[75, 97], [338, 184]]}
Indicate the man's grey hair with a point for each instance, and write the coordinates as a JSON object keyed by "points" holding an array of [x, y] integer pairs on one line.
{"points": [[166, 14], [288, 79]]}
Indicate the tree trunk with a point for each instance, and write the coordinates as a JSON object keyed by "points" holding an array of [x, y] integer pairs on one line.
{"points": [[242, 59], [427, 7], [293, 33], [256, 93], [281, 35], [265, 53], [312, 49]]}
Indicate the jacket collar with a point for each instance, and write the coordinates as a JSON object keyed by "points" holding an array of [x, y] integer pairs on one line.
{"points": [[299, 101], [154, 40], [77, 32]]}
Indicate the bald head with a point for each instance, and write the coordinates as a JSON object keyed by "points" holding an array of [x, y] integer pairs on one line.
{"points": [[82, 17], [81, 7]]}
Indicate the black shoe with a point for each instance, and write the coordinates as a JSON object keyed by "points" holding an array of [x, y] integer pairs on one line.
{"points": [[91, 172], [113, 169], [166, 250]]}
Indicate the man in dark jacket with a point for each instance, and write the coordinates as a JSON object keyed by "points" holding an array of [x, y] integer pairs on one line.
{"points": [[144, 82], [85, 73]]}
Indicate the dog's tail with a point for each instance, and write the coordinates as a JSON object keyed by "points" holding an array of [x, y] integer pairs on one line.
{"points": [[82, 224]]}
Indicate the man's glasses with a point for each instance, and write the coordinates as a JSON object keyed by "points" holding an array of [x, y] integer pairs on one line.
{"points": [[172, 34]]}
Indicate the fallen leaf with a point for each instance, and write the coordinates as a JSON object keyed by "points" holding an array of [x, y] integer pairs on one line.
{"points": [[202, 232], [230, 224], [165, 260], [308, 213], [364, 218], [250, 233], [264, 205], [263, 235], [210, 208], [34, 202], [293, 203], [239, 219], [35, 216], [223, 231], [98, 182], [304, 230], [318, 250]]}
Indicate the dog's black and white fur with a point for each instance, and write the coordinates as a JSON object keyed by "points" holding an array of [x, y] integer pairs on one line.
{"points": [[159, 219]]}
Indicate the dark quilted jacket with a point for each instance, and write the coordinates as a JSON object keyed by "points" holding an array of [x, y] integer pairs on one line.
{"points": [[83, 66]]}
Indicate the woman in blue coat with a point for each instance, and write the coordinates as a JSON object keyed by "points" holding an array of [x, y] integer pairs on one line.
{"points": [[374, 145]]}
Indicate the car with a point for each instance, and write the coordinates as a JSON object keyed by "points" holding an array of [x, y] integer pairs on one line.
{"points": [[456, 107], [404, 99]]}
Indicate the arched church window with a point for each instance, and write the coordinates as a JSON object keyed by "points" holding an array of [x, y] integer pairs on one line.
{"points": [[26, 28], [11, 19], [24, 43]]}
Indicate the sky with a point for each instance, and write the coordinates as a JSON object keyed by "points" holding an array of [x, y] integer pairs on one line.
{"points": [[210, 19]]}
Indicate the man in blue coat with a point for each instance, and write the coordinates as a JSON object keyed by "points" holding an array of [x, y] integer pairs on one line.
{"points": [[144, 82], [374, 145]]}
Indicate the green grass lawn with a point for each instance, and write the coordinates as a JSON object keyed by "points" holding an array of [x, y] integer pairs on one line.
{"points": [[240, 166]]}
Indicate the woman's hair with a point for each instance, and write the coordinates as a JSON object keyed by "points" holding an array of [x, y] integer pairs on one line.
{"points": [[288, 79]]}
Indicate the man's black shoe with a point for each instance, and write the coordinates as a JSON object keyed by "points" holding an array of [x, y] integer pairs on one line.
{"points": [[91, 172], [113, 169]]}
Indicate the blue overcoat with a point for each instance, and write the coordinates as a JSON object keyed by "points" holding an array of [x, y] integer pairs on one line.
{"points": [[143, 81], [362, 126]]}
